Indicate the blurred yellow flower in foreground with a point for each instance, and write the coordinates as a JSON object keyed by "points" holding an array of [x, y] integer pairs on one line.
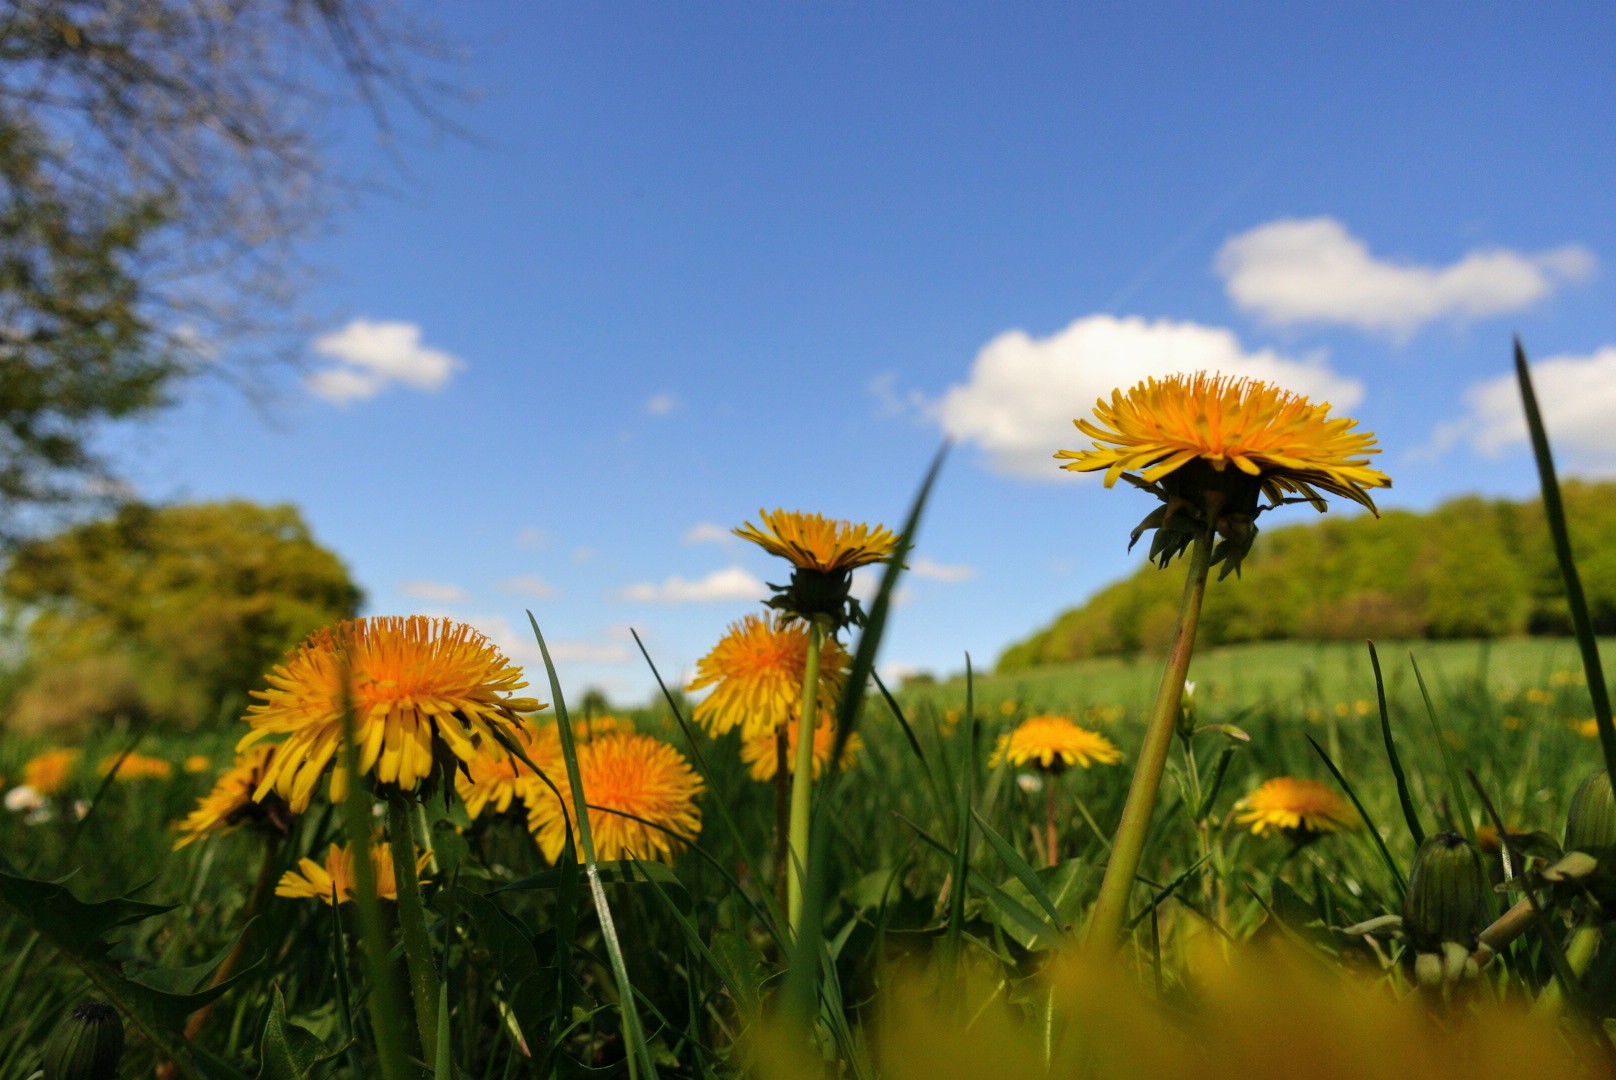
{"points": [[231, 802], [48, 773], [1295, 807], [761, 751], [416, 686], [1054, 743], [136, 767], [641, 795], [336, 876], [755, 672]]}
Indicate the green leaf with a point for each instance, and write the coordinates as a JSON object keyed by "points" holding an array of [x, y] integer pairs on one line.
{"points": [[1066, 887], [1410, 815], [72, 925], [288, 1052], [1369, 822]]}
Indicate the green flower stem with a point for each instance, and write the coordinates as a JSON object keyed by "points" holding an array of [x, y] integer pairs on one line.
{"points": [[802, 778], [1111, 906], [782, 813], [1579, 953], [412, 918]]}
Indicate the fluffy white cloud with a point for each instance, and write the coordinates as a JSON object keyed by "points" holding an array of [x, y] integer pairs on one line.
{"points": [[372, 355], [1577, 395], [923, 567], [436, 592], [518, 643], [1023, 393], [706, 532], [528, 585], [731, 583], [1314, 270]]}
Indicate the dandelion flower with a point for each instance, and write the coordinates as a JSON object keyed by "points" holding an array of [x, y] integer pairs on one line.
{"points": [[417, 686], [499, 780], [49, 773], [197, 763], [336, 876], [761, 750], [1299, 808], [136, 767], [1054, 743], [755, 672], [231, 802], [641, 795], [823, 553]]}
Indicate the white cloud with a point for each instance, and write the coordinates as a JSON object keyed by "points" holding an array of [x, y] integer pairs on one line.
{"points": [[1023, 393], [528, 585], [436, 592], [372, 355], [1314, 270], [661, 404], [583, 554], [1577, 395], [532, 537], [731, 583], [707, 533], [518, 643], [923, 567]]}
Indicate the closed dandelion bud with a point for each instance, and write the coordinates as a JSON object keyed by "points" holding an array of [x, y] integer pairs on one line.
{"points": [[1447, 899], [86, 1044], [1591, 821]]}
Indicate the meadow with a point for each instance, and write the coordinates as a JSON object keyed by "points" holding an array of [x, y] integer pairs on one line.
{"points": [[1330, 879]]}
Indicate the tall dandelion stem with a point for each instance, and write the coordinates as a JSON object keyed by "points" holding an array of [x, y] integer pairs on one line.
{"points": [[412, 917], [802, 778], [1111, 906]]}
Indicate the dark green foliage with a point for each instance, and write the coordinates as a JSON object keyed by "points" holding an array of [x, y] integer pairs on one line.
{"points": [[1470, 568]]}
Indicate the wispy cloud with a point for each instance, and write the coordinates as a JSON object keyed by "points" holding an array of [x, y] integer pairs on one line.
{"points": [[1314, 270], [528, 585], [923, 567], [532, 538], [1023, 393], [370, 356], [1577, 395], [731, 583], [707, 533], [661, 404], [435, 592]]}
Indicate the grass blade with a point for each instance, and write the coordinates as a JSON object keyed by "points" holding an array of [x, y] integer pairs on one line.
{"points": [[1018, 866], [1369, 822], [1410, 815], [1456, 788]]}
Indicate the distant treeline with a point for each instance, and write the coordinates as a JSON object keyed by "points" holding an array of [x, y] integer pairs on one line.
{"points": [[1470, 568]]}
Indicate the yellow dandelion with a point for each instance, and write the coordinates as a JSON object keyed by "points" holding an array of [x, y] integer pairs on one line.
{"points": [[231, 802], [197, 763], [641, 795], [136, 767], [812, 542], [1588, 729], [415, 684], [498, 781], [761, 751], [336, 876], [1054, 743], [1289, 445], [1296, 807], [49, 773], [755, 672]]}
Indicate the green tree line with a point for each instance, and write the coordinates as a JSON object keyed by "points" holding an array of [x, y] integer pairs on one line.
{"points": [[1471, 568]]}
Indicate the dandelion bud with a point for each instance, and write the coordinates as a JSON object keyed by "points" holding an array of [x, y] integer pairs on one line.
{"points": [[1447, 900], [1591, 821], [86, 1044]]}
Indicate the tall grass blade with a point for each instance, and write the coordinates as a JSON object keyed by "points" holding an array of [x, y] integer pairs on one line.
{"points": [[962, 829], [1554, 511], [1369, 822], [1018, 866], [640, 1061], [1410, 815], [1456, 788]]}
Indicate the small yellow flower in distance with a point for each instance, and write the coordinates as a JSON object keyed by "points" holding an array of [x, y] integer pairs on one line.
{"points": [[416, 686], [48, 773], [812, 542], [755, 672], [336, 877], [761, 751], [197, 763], [1053, 743], [231, 802], [641, 795], [1589, 728], [1295, 807], [136, 767]]}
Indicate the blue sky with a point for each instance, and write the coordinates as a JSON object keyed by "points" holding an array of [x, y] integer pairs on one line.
{"points": [[697, 261]]}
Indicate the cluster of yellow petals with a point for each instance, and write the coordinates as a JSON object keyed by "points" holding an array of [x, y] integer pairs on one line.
{"points": [[48, 773], [761, 751], [641, 794], [1290, 444], [755, 674], [231, 800], [498, 781], [335, 877], [813, 542], [1054, 743], [1291, 804], [412, 682], [136, 767]]}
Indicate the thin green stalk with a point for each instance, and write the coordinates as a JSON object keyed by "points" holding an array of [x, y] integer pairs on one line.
{"points": [[1579, 954], [412, 918], [802, 779], [1111, 906]]}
